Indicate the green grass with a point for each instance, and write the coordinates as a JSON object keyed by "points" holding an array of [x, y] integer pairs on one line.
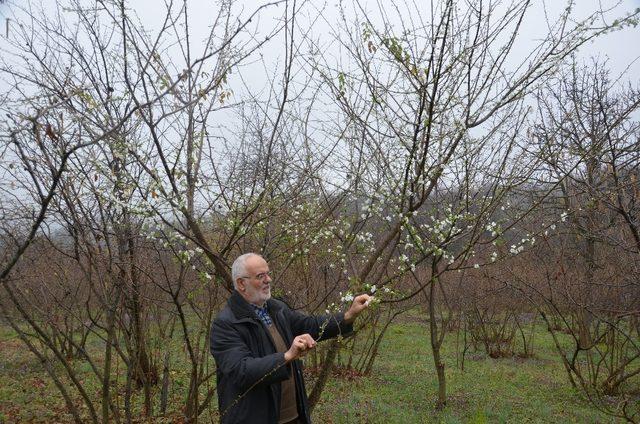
{"points": [[403, 385], [27, 394], [401, 388]]}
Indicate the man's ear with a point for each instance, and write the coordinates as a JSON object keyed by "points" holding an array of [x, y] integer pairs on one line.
{"points": [[240, 284]]}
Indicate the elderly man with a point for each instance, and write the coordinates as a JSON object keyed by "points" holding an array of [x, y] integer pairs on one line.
{"points": [[256, 342]]}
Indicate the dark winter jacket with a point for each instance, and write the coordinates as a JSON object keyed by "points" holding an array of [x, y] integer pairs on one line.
{"points": [[249, 369]]}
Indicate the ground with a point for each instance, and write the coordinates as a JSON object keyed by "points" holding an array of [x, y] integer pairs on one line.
{"points": [[401, 388], [403, 384]]}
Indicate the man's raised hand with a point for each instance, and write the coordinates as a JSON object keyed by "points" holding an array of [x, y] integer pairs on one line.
{"points": [[360, 303]]}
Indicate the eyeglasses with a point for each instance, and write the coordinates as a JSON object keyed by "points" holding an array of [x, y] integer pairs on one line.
{"points": [[260, 277]]}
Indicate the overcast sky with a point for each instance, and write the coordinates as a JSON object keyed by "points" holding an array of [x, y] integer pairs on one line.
{"points": [[319, 18], [621, 47]]}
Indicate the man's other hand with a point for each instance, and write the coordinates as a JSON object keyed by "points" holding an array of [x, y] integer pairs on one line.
{"points": [[301, 346]]}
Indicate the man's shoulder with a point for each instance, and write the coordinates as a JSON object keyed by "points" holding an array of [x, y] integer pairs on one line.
{"points": [[225, 314], [277, 304]]}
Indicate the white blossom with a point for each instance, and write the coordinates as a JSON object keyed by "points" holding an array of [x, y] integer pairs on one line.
{"points": [[516, 249], [348, 297]]}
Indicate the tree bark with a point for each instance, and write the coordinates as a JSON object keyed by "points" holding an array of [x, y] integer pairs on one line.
{"points": [[435, 347]]}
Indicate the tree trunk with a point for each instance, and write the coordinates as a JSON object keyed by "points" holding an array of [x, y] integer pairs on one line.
{"points": [[106, 381], [435, 347], [328, 362]]}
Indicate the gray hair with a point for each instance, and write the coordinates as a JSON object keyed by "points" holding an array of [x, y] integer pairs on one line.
{"points": [[239, 269]]}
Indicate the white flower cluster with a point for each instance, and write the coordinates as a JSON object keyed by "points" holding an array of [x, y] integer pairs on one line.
{"points": [[516, 249], [370, 209], [365, 241], [347, 297], [186, 255], [441, 230], [412, 239], [519, 248], [552, 227], [370, 288], [331, 308], [493, 228], [446, 227], [325, 234]]}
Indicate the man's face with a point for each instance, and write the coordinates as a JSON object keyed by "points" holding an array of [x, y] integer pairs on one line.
{"points": [[256, 286]]}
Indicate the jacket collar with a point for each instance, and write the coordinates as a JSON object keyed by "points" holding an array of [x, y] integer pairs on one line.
{"points": [[242, 309]]}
